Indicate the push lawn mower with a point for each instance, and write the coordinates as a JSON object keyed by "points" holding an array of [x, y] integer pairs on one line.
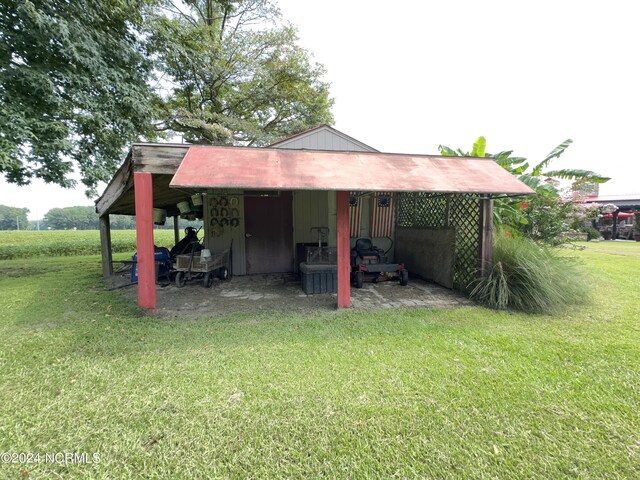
{"points": [[369, 263]]}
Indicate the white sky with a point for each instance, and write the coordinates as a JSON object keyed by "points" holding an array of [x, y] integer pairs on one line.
{"points": [[409, 76]]}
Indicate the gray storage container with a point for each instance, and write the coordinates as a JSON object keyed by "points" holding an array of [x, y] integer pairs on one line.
{"points": [[319, 278]]}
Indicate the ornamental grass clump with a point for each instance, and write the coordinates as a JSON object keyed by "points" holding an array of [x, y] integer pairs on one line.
{"points": [[529, 277]]}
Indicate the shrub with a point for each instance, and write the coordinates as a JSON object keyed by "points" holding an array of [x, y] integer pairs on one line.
{"points": [[529, 277], [592, 233], [547, 218]]}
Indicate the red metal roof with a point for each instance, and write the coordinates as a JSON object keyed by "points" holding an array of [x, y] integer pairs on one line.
{"points": [[274, 169]]}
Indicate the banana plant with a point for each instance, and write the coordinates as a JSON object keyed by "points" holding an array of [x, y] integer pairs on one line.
{"points": [[511, 211], [567, 174]]}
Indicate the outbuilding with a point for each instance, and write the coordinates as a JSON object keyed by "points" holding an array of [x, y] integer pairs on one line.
{"points": [[433, 212]]}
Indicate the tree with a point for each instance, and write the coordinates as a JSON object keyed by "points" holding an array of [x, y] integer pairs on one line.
{"points": [[73, 88], [235, 74], [122, 222], [80, 80], [80, 217], [12, 218]]}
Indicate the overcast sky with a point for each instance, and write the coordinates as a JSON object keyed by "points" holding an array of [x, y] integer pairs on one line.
{"points": [[409, 76]]}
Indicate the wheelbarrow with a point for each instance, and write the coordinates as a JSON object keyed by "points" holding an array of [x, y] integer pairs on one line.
{"points": [[196, 266]]}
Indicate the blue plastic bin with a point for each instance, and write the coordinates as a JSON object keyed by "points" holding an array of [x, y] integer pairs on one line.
{"points": [[163, 264]]}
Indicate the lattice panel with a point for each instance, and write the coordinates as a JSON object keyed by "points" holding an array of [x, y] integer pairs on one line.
{"points": [[421, 210], [459, 211], [464, 215]]}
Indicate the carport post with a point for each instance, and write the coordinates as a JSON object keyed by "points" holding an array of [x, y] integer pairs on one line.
{"points": [[143, 187], [486, 236], [343, 249], [105, 246], [176, 229]]}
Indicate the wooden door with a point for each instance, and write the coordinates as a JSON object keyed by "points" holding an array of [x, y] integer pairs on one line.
{"points": [[269, 233]]}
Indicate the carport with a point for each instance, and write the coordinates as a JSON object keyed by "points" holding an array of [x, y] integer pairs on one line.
{"points": [[425, 187]]}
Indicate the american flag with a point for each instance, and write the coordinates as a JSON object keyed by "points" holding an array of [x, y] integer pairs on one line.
{"points": [[355, 214], [382, 215]]}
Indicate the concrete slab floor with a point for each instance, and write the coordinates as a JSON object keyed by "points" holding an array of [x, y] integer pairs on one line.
{"points": [[283, 293]]}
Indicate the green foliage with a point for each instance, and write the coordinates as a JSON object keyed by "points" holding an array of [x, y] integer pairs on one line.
{"points": [[529, 277], [519, 166], [237, 75], [84, 218], [555, 153], [13, 218], [69, 243], [592, 233], [636, 226], [73, 88], [81, 80], [544, 215], [547, 217], [479, 147], [69, 218]]}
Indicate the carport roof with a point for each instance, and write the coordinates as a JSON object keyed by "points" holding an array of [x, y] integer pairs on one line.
{"points": [[275, 169]]}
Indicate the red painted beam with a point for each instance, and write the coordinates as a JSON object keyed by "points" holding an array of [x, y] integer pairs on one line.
{"points": [[343, 250], [143, 189]]}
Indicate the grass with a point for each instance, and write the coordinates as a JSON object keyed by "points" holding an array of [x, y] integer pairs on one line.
{"points": [[457, 393]]}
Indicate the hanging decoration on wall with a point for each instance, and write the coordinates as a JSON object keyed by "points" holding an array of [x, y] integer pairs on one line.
{"points": [[216, 229], [224, 213]]}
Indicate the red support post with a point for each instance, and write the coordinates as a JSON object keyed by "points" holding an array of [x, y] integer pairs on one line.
{"points": [[143, 187], [343, 249]]}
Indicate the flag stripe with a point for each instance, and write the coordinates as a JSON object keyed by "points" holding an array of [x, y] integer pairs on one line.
{"points": [[382, 218], [355, 217]]}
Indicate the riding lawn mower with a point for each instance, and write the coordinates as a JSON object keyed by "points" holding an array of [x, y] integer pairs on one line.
{"points": [[369, 264]]}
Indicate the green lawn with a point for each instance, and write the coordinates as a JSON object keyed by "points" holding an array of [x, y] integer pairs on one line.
{"points": [[458, 393]]}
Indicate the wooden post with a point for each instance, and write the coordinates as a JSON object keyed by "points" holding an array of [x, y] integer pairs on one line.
{"points": [[105, 246], [143, 186], [447, 218], [614, 229], [343, 249], [176, 229], [486, 236]]}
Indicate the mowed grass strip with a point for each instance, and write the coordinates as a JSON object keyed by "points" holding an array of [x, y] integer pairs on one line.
{"points": [[456, 393]]}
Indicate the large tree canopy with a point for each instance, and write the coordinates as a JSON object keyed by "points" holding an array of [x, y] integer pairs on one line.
{"points": [[81, 80], [73, 88], [235, 74]]}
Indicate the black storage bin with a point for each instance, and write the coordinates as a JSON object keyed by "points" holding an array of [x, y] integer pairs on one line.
{"points": [[319, 278]]}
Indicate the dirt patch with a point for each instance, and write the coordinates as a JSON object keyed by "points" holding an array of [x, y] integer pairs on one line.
{"points": [[24, 271]]}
